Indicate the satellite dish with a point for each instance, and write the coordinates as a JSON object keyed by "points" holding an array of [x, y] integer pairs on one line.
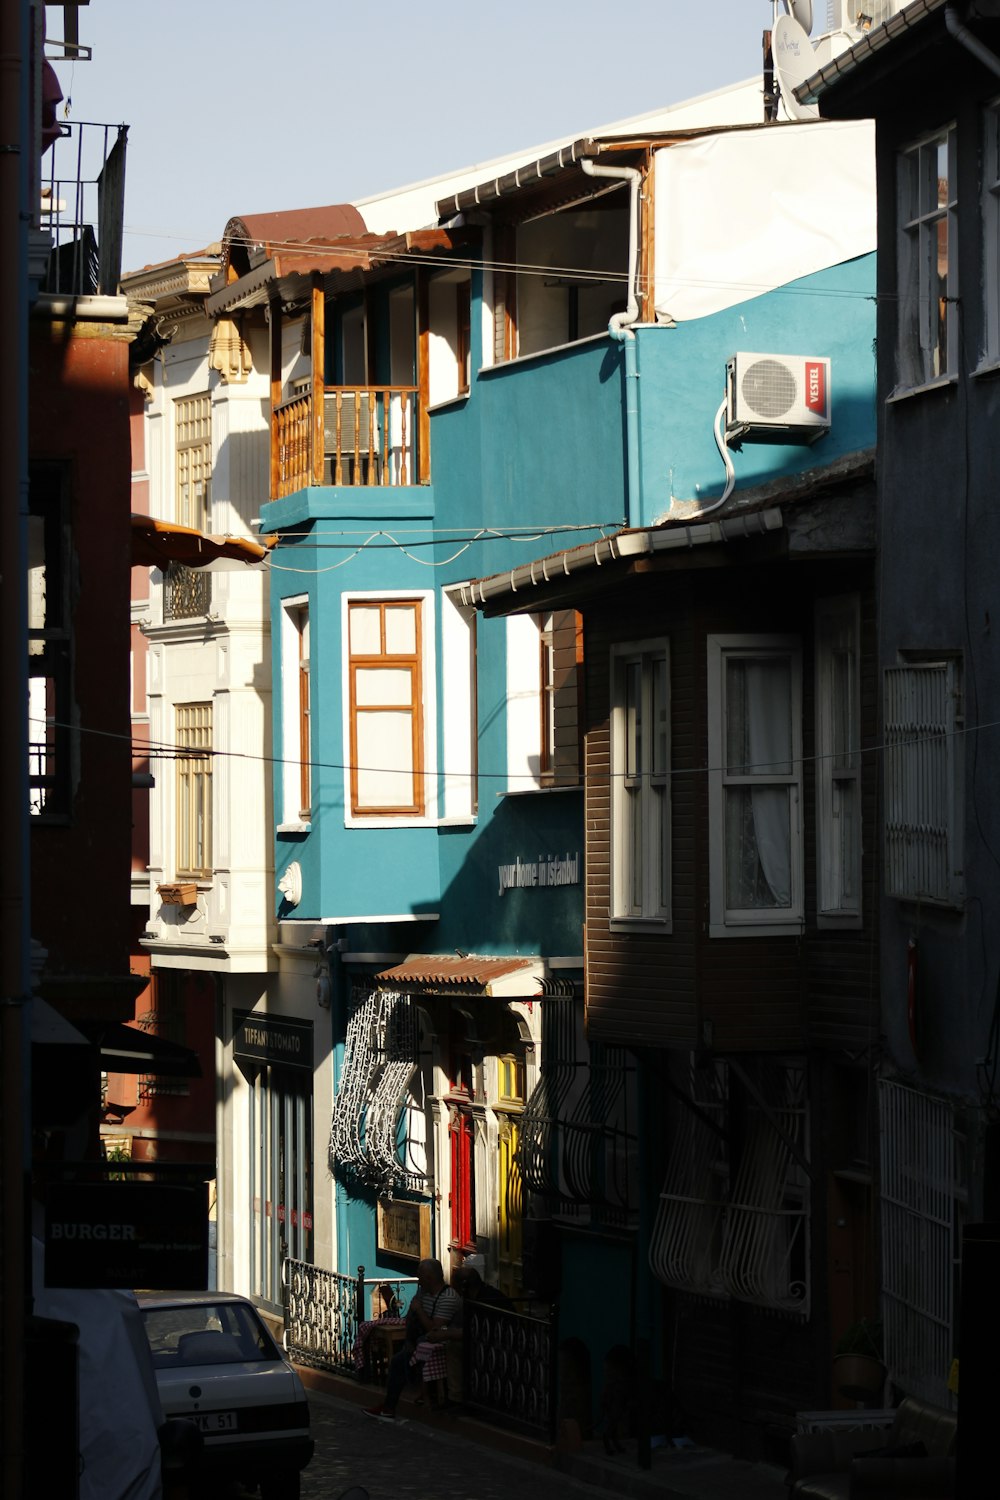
{"points": [[794, 62], [801, 11]]}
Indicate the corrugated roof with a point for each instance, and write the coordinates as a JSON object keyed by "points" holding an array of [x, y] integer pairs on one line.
{"points": [[470, 974]]}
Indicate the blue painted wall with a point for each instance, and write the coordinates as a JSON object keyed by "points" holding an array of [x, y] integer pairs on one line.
{"points": [[682, 376]]}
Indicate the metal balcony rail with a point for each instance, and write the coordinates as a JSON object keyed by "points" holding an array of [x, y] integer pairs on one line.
{"points": [[81, 206]]}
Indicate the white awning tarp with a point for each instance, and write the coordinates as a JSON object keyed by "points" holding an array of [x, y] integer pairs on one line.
{"points": [[745, 211]]}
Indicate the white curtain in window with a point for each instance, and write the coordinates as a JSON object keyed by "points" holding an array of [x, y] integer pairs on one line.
{"points": [[758, 833]]}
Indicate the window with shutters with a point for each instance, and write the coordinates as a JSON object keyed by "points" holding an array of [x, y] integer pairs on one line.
{"points": [[923, 722]]}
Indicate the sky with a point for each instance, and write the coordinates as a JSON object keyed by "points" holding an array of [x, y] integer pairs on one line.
{"points": [[272, 104]]}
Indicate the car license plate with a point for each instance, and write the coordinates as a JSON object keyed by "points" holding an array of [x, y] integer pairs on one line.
{"points": [[215, 1421]]}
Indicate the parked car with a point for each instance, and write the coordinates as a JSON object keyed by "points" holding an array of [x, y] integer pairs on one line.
{"points": [[217, 1365]]}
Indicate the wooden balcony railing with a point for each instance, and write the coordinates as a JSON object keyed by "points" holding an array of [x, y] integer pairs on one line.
{"points": [[368, 436]]}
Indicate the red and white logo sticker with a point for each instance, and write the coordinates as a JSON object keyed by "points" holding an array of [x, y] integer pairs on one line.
{"points": [[815, 387]]}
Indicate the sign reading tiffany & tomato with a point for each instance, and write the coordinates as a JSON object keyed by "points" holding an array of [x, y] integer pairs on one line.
{"points": [[272, 1039]]}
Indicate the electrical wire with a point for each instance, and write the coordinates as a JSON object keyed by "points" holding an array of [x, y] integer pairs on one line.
{"points": [[152, 749]]}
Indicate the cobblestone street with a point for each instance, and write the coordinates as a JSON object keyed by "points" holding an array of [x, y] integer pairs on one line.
{"points": [[416, 1459]]}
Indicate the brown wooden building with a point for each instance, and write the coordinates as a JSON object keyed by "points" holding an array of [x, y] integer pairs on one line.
{"points": [[731, 940]]}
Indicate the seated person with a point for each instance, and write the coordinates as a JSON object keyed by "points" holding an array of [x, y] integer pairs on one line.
{"points": [[432, 1311], [471, 1287]]}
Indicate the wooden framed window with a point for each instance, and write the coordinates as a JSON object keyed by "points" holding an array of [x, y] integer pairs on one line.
{"points": [[385, 666], [193, 443], [927, 266], [193, 727]]}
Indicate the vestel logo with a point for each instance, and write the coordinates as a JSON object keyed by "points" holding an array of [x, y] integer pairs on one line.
{"points": [[816, 386]]}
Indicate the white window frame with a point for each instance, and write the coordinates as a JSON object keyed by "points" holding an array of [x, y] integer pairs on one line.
{"points": [[460, 727], [429, 816], [524, 718], [651, 789], [990, 213], [537, 758], [924, 752], [294, 818], [917, 346], [752, 921], [838, 766], [450, 365]]}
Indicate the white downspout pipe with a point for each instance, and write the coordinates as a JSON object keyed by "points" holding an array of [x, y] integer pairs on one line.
{"points": [[970, 41], [621, 328]]}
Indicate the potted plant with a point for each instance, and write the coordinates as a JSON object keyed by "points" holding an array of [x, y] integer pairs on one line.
{"points": [[858, 1371]]}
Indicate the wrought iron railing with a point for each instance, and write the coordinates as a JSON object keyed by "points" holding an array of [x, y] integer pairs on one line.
{"points": [[324, 1310], [81, 207], [187, 592], [509, 1359], [509, 1367]]}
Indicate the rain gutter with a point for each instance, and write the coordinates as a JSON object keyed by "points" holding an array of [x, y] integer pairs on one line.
{"points": [[624, 546]]}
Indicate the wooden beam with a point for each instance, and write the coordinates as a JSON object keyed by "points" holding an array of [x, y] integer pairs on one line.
{"points": [[647, 240], [274, 326], [317, 345]]}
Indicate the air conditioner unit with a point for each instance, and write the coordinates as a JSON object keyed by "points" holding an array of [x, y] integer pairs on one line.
{"points": [[777, 398]]}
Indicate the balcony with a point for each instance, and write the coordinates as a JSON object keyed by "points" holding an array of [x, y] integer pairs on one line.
{"points": [[345, 435], [81, 208]]}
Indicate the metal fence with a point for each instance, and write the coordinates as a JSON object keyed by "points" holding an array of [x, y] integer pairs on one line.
{"points": [[509, 1359], [324, 1309], [509, 1367]]}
